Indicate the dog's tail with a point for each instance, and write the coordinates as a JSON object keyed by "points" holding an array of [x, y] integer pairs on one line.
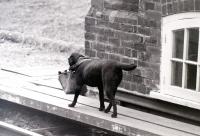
{"points": [[127, 67]]}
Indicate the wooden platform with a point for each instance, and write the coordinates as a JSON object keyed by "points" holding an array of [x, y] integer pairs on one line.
{"points": [[39, 88]]}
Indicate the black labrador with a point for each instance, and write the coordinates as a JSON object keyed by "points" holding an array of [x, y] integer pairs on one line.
{"points": [[106, 75]]}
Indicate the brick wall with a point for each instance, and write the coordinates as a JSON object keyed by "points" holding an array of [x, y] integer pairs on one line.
{"points": [[170, 7], [128, 31]]}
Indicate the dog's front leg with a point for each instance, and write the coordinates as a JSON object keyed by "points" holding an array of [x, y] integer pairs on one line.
{"points": [[114, 115], [101, 99], [77, 92]]}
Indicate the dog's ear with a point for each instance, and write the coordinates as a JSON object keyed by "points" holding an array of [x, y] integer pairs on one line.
{"points": [[77, 55], [74, 58]]}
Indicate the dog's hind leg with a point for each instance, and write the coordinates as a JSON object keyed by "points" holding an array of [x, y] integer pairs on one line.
{"points": [[109, 107], [101, 98], [111, 97], [77, 92], [114, 115]]}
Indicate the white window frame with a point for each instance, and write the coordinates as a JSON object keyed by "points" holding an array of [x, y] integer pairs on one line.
{"points": [[170, 24]]}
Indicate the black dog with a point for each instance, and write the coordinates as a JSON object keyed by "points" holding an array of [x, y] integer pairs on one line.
{"points": [[104, 74]]}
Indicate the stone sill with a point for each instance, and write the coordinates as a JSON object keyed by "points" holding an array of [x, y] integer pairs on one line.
{"points": [[175, 100]]}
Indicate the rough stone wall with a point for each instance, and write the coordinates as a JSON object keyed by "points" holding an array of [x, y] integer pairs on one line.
{"points": [[170, 7], [128, 31]]}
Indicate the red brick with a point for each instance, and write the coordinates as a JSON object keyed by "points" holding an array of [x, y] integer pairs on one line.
{"points": [[154, 50], [144, 30], [163, 1], [164, 10], [169, 8], [121, 84], [127, 28], [100, 54], [128, 52], [156, 76], [121, 50], [127, 43], [90, 21], [134, 53], [90, 29], [140, 47], [114, 41], [114, 57], [87, 45], [102, 38], [137, 79], [90, 36], [133, 86], [101, 22], [127, 85], [142, 88], [90, 52], [100, 47], [144, 56], [126, 20], [149, 6], [181, 6], [112, 49], [125, 60], [115, 26]]}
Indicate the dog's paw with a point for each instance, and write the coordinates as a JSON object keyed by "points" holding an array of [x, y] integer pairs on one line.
{"points": [[71, 105], [114, 115], [102, 109], [107, 110]]}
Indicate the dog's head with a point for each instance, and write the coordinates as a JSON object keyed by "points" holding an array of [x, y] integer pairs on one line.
{"points": [[73, 59]]}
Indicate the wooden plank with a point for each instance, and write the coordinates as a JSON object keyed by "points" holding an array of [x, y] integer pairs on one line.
{"points": [[122, 111], [23, 87], [128, 112], [86, 114], [51, 81], [35, 71]]}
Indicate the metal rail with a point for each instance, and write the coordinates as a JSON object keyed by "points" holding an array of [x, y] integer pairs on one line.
{"points": [[8, 128]]}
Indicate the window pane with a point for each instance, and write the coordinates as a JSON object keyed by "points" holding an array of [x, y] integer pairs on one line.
{"points": [[193, 44], [177, 68], [178, 44], [191, 76]]}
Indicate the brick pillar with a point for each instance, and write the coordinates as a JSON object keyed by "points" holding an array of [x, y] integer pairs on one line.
{"points": [[127, 31]]}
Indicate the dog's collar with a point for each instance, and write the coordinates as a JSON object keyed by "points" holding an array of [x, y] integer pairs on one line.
{"points": [[78, 63]]}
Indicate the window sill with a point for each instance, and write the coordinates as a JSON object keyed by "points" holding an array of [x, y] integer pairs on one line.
{"points": [[175, 100]]}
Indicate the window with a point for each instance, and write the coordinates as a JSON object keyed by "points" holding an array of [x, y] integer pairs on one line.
{"points": [[180, 64], [184, 60]]}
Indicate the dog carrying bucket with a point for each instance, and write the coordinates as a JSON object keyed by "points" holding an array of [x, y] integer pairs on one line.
{"points": [[67, 81]]}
